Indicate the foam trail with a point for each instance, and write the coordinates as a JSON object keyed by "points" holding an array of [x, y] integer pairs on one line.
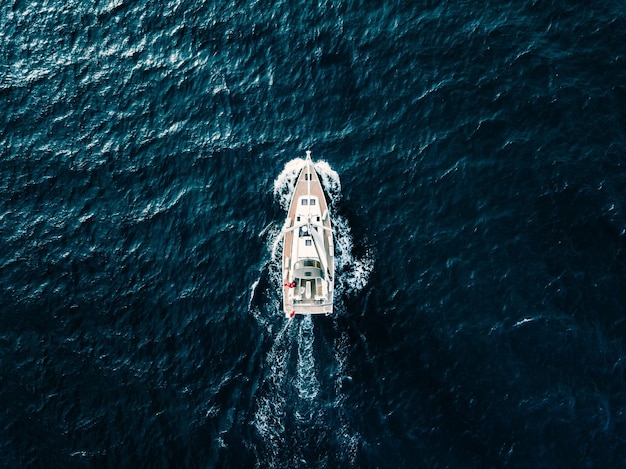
{"points": [[285, 183], [269, 418], [253, 288], [276, 248], [352, 273], [307, 383]]}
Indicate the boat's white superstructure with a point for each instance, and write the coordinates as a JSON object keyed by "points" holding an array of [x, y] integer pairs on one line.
{"points": [[308, 249]]}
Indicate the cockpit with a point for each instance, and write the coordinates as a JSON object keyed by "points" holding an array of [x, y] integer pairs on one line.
{"points": [[308, 269]]}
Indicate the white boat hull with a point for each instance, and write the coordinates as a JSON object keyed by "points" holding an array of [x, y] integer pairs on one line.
{"points": [[308, 262]]}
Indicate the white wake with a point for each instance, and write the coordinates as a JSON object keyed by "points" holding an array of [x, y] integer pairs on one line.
{"points": [[306, 381]]}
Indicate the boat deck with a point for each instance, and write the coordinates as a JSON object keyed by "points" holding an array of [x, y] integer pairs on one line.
{"points": [[307, 299]]}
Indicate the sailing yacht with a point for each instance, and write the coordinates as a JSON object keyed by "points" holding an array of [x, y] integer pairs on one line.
{"points": [[308, 262]]}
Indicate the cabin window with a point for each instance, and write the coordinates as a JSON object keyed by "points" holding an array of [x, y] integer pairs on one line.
{"points": [[312, 202], [307, 274], [307, 242], [298, 218], [305, 201]]}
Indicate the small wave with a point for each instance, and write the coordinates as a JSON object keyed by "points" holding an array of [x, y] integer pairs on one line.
{"points": [[160, 205], [255, 284], [523, 321], [349, 440]]}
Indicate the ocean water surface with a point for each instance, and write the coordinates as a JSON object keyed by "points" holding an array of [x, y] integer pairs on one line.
{"points": [[474, 158]]}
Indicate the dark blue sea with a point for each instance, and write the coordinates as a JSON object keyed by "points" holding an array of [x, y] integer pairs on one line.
{"points": [[474, 158]]}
